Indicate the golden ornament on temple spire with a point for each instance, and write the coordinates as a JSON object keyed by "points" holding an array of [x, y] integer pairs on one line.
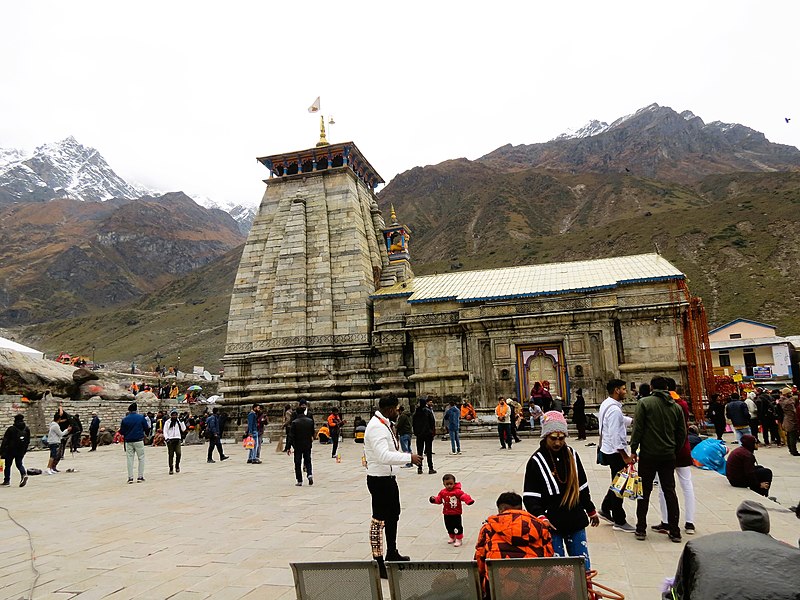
{"points": [[322, 139], [393, 216]]}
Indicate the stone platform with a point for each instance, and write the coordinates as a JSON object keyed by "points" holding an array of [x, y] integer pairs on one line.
{"points": [[229, 530]]}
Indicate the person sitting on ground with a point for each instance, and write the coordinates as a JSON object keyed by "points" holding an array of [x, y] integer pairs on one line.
{"points": [[512, 533], [743, 470], [702, 574], [468, 412], [694, 436], [324, 435]]}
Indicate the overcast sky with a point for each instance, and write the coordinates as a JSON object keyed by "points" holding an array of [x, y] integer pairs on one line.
{"points": [[184, 95]]}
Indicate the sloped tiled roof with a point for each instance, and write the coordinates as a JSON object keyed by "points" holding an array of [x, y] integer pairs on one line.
{"points": [[535, 280]]}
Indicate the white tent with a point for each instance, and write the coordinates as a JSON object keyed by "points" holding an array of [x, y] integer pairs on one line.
{"points": [[9, 345]]}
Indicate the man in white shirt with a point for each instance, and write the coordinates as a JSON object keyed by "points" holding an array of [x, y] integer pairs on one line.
{"points": [[383, 461], [173, 434], [614, 450]]}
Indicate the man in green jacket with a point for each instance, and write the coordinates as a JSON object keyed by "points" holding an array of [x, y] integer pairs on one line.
{"points": [[658, 433]]}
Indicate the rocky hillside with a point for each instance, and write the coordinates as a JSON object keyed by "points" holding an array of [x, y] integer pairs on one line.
{"points": [[70, 258], [655, 142], [728, 218]]}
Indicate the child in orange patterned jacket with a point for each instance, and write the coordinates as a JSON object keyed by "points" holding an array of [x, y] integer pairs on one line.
{"points": [[451, 497]]}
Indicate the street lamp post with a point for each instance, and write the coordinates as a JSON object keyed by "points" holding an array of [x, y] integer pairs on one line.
{"points": [[94, 362], [178, 367], [158, 358]]}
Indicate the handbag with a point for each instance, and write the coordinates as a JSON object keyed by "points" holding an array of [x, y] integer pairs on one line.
{"points": [[620, 481], [249, 443]]}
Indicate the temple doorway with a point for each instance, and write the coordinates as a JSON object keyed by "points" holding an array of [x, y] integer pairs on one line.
{"points": [[542, 363]]}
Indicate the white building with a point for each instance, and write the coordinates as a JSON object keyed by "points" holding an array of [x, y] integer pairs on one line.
{"points": [[753, 349]]}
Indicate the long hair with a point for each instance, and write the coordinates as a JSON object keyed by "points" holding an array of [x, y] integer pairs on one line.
{"points": [[571, 486]]}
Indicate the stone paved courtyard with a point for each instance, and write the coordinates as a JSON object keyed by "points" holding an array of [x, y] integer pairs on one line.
{"points": [[229, 530]]}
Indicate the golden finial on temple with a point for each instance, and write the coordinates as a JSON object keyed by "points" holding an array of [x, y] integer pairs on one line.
{"points": [[322, 139], [393, 216]]}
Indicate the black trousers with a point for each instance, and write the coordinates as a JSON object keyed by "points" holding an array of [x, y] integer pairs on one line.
{"points": [[504, 433], [425, 447], [93, 437], [612, 504], [335, 440], [665, 469], [286, 439], [454, 526], [763, 474], [754, 429], [765, 430], [213, 442], [302, 456], [791, 441], [719, 427], [16, 460], [174, 451], [386, 506]]}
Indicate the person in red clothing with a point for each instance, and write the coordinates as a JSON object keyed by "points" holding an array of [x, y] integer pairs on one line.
{"points": [[451, 499], [742, 470]]}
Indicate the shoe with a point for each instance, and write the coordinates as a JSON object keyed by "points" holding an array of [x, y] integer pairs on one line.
{"points": [[93, 450], [661, 528], [249, 462], [502, 447], [624, 527], [56, 470], [130, 479], [76, 450], [395, 556], [408, 466], [171, 471], [457, 543], [224, 458], [459, 452], [177, 469], [640, 535], [605, 516], [6, 483], [419, 470], [140, 480], [590, 444], [675, 538], [689, 528], [451, 540], [381, 567], [431, 472], [299, 483], [210, 460], [24, 481], [256, 461], [453, 453], [310, 480]]}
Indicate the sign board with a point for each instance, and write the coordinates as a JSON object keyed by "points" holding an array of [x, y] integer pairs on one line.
{"points": [[762, 372], [737, 377], [198, 370]]}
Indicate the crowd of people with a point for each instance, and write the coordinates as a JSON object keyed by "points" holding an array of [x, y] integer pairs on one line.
{"points": [[556, 507]]}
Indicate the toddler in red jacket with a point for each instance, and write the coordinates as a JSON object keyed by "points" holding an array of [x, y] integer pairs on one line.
{"points": [[451, 498]]}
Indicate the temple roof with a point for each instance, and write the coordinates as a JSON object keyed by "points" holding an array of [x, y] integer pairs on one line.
{"points": [[348, 154], [535, 280]]}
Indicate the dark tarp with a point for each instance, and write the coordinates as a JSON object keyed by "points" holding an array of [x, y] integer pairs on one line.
{"points": [[737, 565]]}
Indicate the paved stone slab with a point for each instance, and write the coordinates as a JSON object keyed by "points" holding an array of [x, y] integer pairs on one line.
{"points": [[229, 530]]}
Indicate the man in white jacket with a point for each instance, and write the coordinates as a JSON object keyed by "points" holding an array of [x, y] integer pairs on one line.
{"points": [[383, 461]]}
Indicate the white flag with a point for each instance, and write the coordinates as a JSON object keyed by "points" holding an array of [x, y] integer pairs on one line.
{"points": [[314, 107]]}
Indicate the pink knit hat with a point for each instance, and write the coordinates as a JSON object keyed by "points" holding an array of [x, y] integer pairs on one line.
{"points": [[553, 421]]}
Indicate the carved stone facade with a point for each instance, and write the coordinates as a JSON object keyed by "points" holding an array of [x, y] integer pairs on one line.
{"points": [[323, 308]]}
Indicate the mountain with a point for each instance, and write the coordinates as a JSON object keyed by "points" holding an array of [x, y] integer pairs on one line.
{"points": [[65, 169], [79, 257], [732, 232], [720, 201], [68, 169], [655, 142]]}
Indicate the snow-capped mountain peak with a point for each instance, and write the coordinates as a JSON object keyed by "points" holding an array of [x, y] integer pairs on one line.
{"points": [[593, 127]]}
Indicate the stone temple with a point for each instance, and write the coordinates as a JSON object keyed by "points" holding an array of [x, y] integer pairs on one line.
{"points": [[326, 307]]}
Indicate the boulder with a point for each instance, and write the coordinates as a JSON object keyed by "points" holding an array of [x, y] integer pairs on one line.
{"points": [[31, 377], [146, 396], [106, 390], [81, 376]]}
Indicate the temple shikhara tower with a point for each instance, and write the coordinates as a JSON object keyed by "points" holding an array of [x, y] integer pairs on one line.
{"points": [[326, 307]]}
